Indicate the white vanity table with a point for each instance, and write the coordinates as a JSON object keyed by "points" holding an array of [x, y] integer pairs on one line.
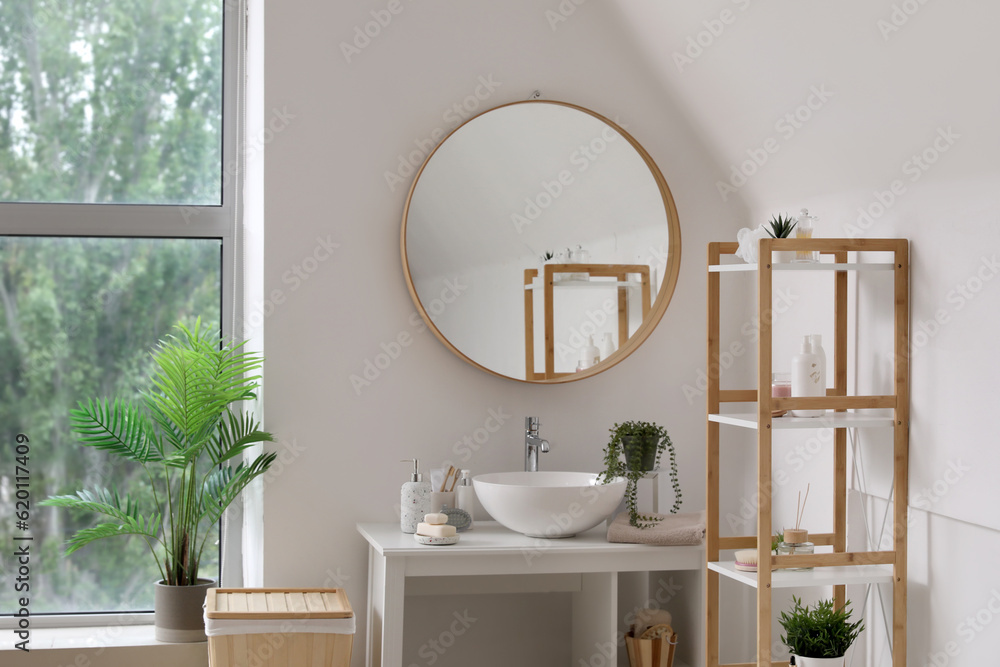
{"points": [[491, 549]]}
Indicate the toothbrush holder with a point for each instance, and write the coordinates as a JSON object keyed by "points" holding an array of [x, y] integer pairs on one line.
{"points": [[442, 499]]}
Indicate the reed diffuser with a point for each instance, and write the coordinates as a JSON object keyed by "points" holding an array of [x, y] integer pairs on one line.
{"points": [[796, 540]]}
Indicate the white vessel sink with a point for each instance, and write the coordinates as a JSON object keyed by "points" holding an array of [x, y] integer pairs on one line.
{"points": [[548, 504]]}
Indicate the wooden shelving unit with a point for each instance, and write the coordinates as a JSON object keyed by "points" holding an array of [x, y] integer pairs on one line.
{"points": [[609, 275], [840, 567]]}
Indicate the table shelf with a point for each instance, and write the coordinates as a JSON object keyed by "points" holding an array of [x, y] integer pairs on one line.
{"points": [[802, 266], [829, 420], [585, 284], [820, 576]]}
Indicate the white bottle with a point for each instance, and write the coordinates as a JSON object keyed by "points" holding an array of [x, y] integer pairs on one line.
{"points": [[465, 496], [589, 355], [816, 343], [414, 500], [808, 377], [607, 346]]}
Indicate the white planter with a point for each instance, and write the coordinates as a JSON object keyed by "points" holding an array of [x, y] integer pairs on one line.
{"points": [[819, 662]]}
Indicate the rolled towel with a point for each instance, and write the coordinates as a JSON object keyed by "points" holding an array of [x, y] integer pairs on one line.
{"points": [[673, 530]]}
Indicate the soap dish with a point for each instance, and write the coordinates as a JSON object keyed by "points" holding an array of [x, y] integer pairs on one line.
{"points": [[435, 541]]}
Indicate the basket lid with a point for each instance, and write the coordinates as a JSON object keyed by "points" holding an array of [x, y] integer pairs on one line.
{"points": [[248, 603]]}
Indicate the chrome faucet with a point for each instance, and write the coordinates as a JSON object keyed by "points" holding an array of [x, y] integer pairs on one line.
{"points": [[532, 444]]}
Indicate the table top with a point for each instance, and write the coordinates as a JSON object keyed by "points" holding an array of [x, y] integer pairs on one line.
{"points": [[490, 538]]}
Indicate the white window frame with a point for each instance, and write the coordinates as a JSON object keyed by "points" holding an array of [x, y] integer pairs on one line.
{"points": [[223, 222]]}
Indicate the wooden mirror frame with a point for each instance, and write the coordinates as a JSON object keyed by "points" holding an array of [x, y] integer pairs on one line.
{"points": [[663, 295]]}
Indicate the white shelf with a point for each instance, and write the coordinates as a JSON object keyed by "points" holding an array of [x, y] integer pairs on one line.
{"points": [[829, 420], [592, 283], [820, 576], [804, 266]]}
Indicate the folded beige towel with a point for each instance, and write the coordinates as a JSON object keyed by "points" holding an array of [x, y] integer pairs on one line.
{"points": [[674, 530]]}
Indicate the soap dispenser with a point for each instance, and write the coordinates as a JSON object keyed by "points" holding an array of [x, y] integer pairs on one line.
{"points": [[465, 495], [414, 500]]}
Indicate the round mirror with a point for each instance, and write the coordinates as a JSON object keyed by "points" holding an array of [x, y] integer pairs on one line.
{"points": [[540, 242]]}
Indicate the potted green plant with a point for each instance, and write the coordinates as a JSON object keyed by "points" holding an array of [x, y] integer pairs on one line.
{"points": [[819, 636], [634, 449], [781, 228], [184, 432]]}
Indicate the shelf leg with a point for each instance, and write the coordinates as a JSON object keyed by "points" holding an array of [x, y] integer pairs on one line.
{"points": [[712, 502], [840, 309], [764, 482], [901, 451]]}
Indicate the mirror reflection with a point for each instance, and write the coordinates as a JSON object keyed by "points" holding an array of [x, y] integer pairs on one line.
{"points": [[540, 242]]}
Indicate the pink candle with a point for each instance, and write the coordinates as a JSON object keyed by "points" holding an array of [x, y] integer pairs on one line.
{"points": [[781, 385]]}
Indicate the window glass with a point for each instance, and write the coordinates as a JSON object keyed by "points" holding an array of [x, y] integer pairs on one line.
{"points": [[111, 101], [79, 319]]}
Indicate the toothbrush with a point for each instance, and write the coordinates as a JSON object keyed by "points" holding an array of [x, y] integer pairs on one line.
{"points": [[444, 483]]}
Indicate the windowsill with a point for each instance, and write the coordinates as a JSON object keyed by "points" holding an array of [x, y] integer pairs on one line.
{"points": [[90, 637], [127, 643]]}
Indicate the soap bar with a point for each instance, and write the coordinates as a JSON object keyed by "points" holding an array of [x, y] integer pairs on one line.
{"points": [[431, 530], [436, 519]]}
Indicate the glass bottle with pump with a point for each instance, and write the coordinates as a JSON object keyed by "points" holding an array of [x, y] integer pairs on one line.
{"points": [[804, 228]]}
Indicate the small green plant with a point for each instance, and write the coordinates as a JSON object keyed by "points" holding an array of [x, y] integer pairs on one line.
{"points": [[781, 226], [820, 632], [649, 441], [547, 255]]}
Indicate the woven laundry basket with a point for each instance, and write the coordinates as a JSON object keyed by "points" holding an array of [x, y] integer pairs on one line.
{"points": [[265, 627]]}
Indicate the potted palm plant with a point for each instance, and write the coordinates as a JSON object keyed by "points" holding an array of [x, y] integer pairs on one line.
{"points": [[819, 636], [634, 449], [184, 432]]}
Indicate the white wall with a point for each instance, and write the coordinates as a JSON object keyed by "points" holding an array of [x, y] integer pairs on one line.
{"points": [[333, 314], [899, 140], [871, 86]]}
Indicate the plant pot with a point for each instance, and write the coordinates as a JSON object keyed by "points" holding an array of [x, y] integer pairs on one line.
{"points": [[818, 662], [631, 443], [178, 611]]}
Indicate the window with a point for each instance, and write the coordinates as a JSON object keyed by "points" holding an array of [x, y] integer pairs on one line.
{"points": [[117, 102], [119, 172]]}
